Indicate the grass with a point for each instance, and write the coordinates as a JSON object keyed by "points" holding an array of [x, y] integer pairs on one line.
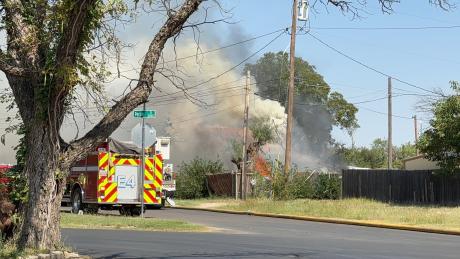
{"points": [[9, 250], [352, 209], [128, 223]]}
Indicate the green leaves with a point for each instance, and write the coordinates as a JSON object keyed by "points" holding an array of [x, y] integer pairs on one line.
{"points": [[376, 156], [191, 179], [272, 75], [343, 112], [441, 143], [263, 130]]}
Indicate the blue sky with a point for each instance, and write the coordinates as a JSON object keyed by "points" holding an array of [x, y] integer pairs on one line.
{"points": [[426, 58]]}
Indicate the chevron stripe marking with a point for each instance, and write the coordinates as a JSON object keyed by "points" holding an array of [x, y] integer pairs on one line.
{"points": [[151, 197]]}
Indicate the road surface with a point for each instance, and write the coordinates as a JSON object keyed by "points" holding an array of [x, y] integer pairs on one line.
{"points": [[241, 236]]}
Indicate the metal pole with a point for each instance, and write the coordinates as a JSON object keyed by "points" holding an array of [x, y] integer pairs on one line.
{"points": [[143, 164], [390, 127], [287, 158], [245, 137]]}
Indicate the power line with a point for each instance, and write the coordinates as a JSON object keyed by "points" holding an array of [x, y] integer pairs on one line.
{"points": [[217, 49], [384, 113], [369, 67], [387, 28], [231, 68], [228, 46]]}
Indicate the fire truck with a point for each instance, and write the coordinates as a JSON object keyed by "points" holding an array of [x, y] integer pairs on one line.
{"points": [[162, 147], [110, 178]]}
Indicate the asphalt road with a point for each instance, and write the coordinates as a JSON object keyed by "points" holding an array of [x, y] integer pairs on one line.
{"points": [[241, 236]]}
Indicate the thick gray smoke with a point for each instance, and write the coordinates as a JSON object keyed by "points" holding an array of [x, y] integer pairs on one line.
{"points": [[204, 121]]}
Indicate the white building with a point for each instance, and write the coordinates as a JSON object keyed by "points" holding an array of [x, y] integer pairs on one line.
{"points": [[419, 163]]}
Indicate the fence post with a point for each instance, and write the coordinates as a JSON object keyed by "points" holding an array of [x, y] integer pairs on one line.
{"points": [[389, 190]]}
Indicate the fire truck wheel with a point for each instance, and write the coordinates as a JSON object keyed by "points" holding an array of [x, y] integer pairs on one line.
{"points": [[136, 211], [91, 209], [124, 211], [76, 201]]}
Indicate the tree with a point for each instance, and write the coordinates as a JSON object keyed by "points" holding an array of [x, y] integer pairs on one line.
{"points": [[441, 142], [314, 100], [375, 156], [53, 47], [262, 131]]}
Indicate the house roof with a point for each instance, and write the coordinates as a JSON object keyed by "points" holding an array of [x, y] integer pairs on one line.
{"points": [[413, 158]]}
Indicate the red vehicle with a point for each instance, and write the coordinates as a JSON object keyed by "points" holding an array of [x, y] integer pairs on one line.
{"points": [[110, 178]]}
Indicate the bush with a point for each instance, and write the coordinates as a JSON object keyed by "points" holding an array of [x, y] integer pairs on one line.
{"points": [[6, 216], [262, 187], [327, 186], [300, 186], [191, 178], [297, 185]]}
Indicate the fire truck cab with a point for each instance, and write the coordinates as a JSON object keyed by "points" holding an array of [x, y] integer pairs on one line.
{"points": [[111, 178]]}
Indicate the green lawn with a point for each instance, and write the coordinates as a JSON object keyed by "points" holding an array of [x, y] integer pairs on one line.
{"points": [[131, 223], [352, 209]]}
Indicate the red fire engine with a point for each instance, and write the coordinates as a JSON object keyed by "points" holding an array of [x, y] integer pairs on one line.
{"points": [[110, 178]]}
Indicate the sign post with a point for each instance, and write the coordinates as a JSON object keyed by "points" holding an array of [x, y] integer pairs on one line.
{"points": [[143, 114]]}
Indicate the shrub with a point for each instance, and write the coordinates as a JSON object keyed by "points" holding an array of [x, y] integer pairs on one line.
{"points": [[327, 186], [191, 178], [297, 185], [6, 216], [262, 187], [300, 186]]}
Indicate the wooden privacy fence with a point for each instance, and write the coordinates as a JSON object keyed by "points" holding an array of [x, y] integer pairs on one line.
{"points": [[220, 184], [401, 186], [225, 184]]}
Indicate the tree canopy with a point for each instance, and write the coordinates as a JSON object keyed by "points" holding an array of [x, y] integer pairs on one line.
{"points": [[441, 142], [375, 156], [314, 101]]}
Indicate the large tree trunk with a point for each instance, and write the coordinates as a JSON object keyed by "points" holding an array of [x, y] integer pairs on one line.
{"points": [[41, 219]]}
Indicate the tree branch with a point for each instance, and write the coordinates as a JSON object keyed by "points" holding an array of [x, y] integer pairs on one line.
{"points": [[140, 93], [67, 49]]}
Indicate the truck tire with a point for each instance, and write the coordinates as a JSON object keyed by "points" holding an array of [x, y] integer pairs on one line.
{"points": [[125, 211], [135, 211], [76, 201], [91, 209]]}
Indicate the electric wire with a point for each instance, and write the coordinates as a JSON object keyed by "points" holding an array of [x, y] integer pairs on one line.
{"points": [[387, 28], [231, 68], [367, 66]]}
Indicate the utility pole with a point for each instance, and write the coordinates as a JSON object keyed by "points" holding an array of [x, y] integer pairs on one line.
{"points": [[416, 133], [390, 127], [287, 158], [245, 137]]}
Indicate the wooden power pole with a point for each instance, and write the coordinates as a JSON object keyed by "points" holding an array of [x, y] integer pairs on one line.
{"points": [[390, 127], [245, 138], [288, 155], [416, 134]]}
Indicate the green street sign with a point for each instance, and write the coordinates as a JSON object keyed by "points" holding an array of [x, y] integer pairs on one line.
{"points": [[145, 114]]}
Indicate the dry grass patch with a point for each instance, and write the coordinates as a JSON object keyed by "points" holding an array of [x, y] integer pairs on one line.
{"points": [[352, 209]]}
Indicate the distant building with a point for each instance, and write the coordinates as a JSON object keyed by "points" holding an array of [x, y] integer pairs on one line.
{"points": [[419, 162]]}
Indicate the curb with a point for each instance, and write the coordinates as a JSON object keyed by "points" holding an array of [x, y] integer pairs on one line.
{"points": [[329, 220]]}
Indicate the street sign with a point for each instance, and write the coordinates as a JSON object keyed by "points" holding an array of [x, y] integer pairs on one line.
{"points": [[145, 114], [149, 138]]}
